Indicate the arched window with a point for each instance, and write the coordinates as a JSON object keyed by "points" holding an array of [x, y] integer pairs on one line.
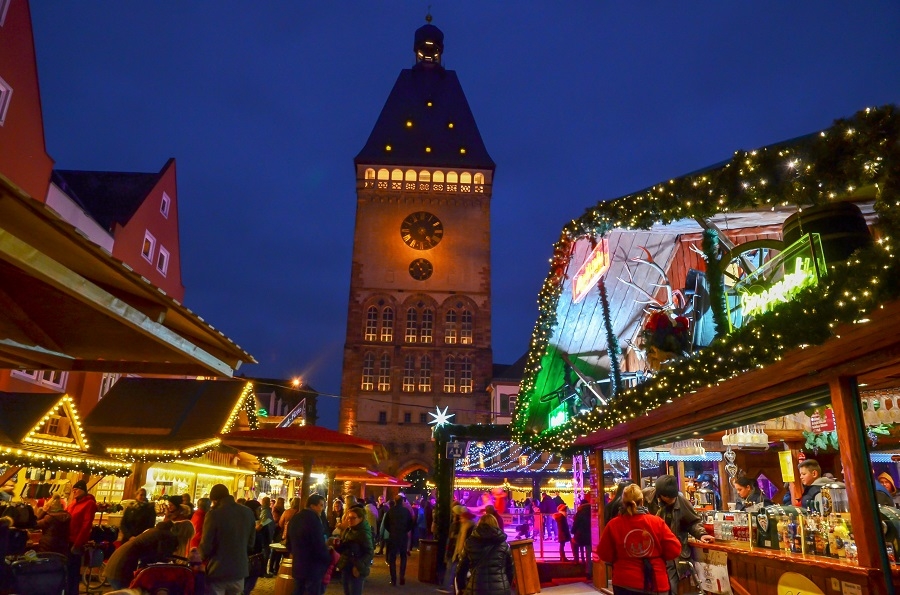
{"points": [[424, 176], [371, 323], [368, 372], [409, 374], [412, 325], [450, 327], [397, 174], [427, 325], [387, 324], [425, 374], [465, 375], [465, 178], [449, 375], [410, 175], [465, 327], [438, 177], [384, 174], [479, 178], [384, 373], [452, 177], [370, 174]]}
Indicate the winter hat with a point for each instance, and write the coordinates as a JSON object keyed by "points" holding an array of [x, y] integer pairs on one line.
{"points": [[460, 509], [887, 476], [561, 508], [80, 485], [666, 486]]}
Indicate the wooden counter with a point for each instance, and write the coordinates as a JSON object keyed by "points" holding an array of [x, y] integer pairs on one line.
{"points": [[758, 570]]}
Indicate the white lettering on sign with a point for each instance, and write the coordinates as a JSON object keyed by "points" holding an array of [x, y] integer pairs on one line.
{"points": [[802, 276]]}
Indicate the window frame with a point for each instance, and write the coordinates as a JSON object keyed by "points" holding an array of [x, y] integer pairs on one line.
{"points": [[163, 255], [412, 326], [151, 239], [39, 377], [466, 327], [370, 331], [368, 372], [424, 379], [450, 328], [449, 375], [384, 373], [164, 205], [465, 384], [6, 92], [387, 325], [409, 374], [426, 330]]}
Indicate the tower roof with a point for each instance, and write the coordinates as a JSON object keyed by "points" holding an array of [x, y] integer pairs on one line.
{"points": [[426, 120]]}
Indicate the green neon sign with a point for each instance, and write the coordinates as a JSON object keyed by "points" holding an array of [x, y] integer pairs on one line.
{"points": [[799, 266], [559, 416]]}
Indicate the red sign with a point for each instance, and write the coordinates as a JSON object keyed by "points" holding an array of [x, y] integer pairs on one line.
{"points": [[590, 272], [822, 421]]}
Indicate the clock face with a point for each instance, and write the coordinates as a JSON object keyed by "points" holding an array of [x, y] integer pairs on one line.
{"points": [[420, 269], [422, 230]]}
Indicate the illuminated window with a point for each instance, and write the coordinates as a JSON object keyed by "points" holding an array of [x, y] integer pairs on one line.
{"points": [[424, 176], [368, 374], [425, 374], [164, 205], [449, 375], [384, 174], [450, 327], [465, 178], [107, 382], [427, 325], [49, 378], [452, 177], [410, 175], [438, 176], [465, 328], [370, 174], [387, 325], [465, 375], [371, 323], [384, 373], [412, 325], [479, 178], [397, 174], [5, 95], [148, 246], [162, 261], [409, 374]]}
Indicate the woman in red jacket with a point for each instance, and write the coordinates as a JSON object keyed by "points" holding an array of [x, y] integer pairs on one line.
{"points": [[637, 544]]}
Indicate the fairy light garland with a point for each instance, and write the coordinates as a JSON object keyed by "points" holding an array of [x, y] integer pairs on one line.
{"points": [[855, 152]]}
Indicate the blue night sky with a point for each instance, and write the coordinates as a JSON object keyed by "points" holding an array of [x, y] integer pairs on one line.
{"points": [[265, 104]]}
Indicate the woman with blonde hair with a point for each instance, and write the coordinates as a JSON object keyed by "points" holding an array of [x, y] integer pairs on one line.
{"points": [[637, 544]]}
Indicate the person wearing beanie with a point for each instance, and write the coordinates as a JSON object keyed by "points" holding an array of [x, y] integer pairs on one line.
{"points": [[229, 532], [81, 509], [664, 501], [563, 534], [887, 482]]}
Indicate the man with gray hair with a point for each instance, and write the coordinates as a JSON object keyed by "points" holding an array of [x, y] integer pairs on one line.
{"points": [[229, 531]]}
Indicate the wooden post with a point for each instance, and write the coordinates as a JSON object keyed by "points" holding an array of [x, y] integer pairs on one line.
{"points": [[858, 478], [600, 579], [634, 462], [304, 483]]}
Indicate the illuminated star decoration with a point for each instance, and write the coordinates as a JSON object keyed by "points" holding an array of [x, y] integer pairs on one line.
{"points": [[441, 418]]}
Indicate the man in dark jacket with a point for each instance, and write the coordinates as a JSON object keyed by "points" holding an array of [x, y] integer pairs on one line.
{"points": [[581, 532], [229, 531], [138, 516], [306, 542], [548, 509], [664, 501], [399, 523]]}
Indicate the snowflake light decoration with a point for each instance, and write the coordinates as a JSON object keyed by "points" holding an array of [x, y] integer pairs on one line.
{"points": [[441, 418]]}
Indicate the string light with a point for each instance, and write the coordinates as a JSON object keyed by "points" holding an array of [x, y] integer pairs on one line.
{"points": [[853, 153]]}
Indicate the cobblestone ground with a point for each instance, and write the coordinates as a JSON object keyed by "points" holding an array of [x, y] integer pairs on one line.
{"points": [[378, 582]]}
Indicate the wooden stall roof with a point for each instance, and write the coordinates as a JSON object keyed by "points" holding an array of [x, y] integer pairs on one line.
{"points": [[325, 448], [67, 304]]}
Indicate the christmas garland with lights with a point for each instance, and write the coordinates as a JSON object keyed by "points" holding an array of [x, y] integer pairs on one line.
{"points": [[612, 343], [860, 151], [717, 304]]}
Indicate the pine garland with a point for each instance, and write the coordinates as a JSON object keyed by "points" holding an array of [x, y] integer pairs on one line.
{"points": [[717, 303], [612, 343]]}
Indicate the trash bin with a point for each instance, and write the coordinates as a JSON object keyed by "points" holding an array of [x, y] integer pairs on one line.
{"points": [[525, 567], [428, 558]]}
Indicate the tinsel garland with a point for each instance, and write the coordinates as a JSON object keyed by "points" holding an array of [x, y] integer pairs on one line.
{"points": [[860, 151], [612, 343], [717, 304]]}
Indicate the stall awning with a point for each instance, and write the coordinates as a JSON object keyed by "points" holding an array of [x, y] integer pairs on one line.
{"points": [[323, 447], [67, 304]]}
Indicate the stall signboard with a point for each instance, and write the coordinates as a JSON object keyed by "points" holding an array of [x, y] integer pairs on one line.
{"points": [[591, 270], [787, 465], [822, 421], [711, 567], [456, 450], [797, 267], [559, 415]]}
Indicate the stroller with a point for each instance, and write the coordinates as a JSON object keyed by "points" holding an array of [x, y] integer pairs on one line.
{"points": [[172, 578], [45, 574]]}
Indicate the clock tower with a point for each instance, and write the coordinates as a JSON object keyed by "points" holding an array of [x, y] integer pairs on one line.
{"points": [[419, 315]]}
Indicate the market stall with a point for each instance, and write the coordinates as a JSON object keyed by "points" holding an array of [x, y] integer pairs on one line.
{"points": [[728, 311]]}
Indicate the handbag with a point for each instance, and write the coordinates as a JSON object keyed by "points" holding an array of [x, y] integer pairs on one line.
{"points": [[335, 556], [257, 564]]}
